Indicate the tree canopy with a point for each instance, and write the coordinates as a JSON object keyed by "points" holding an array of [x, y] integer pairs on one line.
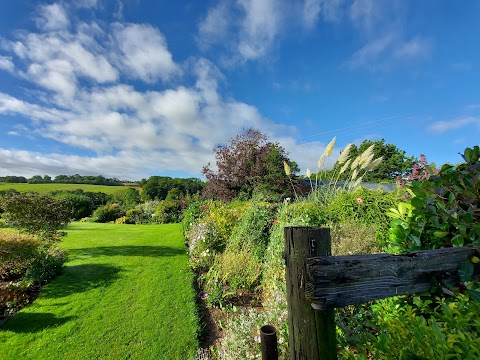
{"points": [[158, 187], [248, 163], [394, 162]]}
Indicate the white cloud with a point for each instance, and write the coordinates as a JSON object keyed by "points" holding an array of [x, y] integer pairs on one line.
{"points": [[86, 3], [385, 52], [144, 52], [382, 25], [52, 17], [214, 28], [6, 63], [259, 27], [310, 12], [252, 27], [454, 124], [412, 49], [129, 132]]}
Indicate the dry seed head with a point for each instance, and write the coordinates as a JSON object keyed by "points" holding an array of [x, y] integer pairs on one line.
{"points": [[308, 173], [355, 162], [330, 146], [286, 167], [375, 163], [345, 166], [366, 154], [366, 161], [320, 161], [344, 154], [354, 174]]}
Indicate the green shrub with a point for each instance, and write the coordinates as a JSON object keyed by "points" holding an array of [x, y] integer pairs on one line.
{"points": [[108, 213], [80, 204], [368, 207], [47, 264], [168, 211], [443, 210], [194, 212], [17, 252], [34, 213], [450, 330], [350, 237], [13, 295], [134, 216], [147, 212]]}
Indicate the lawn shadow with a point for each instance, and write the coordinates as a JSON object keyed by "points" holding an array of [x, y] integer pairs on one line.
{"points": [[81, 278], [146, 251], [25, 322]]}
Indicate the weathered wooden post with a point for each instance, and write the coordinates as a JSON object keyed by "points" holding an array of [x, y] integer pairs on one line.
{"points": [[311, 332]]}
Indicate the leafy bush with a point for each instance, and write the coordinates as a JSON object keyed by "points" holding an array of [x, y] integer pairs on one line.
{"points": [[34, 213], [203, 243], [147, 212], [448, 331], [25, 262], [46, 265], [134, 216], [193, 213], [443, 210], [168, 211], [351, 237], [13, 295], [17, 252], [367, 207], [80, 204], [108, 213]]}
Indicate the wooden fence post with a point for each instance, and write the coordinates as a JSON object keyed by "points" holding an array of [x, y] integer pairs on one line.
{"points": [[311, 332]]}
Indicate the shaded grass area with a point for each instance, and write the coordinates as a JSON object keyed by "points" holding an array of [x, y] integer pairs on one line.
{"points": [[125, 293], [46, 188]]}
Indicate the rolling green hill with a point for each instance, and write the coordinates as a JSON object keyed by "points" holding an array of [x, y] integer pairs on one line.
{"points": [[46, 188]]}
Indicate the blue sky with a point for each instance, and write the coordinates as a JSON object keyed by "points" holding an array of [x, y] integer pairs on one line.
{"points": [[134, 88]]}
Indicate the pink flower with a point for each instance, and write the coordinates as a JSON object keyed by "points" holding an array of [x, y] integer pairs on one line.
{"points": [[204, 297], [359, 200]]}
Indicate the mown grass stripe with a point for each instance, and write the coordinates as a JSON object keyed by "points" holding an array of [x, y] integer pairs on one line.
{"points": [[126, 293]]}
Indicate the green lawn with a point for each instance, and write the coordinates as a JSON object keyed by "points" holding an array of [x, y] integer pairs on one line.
{"points": [[46, 188], [125, 293]]}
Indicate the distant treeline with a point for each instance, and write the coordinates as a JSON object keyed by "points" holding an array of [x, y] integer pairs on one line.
{"points": [[62, 179], [165, 187]]}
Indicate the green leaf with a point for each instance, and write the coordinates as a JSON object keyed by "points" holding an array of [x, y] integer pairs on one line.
{"points": [[441, 234], [457, 240], [466, 271], [437, 330], [475, 295]]}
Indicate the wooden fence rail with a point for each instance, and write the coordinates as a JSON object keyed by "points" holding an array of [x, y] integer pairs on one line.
{"points": [[317, 283]]}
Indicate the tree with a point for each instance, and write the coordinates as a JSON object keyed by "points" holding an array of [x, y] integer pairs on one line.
{"points": [[36, 214], [394, 161], [248, 163]]}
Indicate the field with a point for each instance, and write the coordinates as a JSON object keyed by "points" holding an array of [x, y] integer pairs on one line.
{"points": [[46, 188], [125, 293]]}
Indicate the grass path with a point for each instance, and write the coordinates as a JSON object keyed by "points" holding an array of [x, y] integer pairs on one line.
{"points": [[125, 293]]}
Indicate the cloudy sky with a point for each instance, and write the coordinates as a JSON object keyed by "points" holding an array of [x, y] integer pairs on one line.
{"points": [[134, 88]]}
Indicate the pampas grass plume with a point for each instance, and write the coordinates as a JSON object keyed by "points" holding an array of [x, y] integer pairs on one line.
{"points": [[330, 146], [287, 169], [345, 166], [308, 173], [355, 162], [375, 163], [344, 154]]}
